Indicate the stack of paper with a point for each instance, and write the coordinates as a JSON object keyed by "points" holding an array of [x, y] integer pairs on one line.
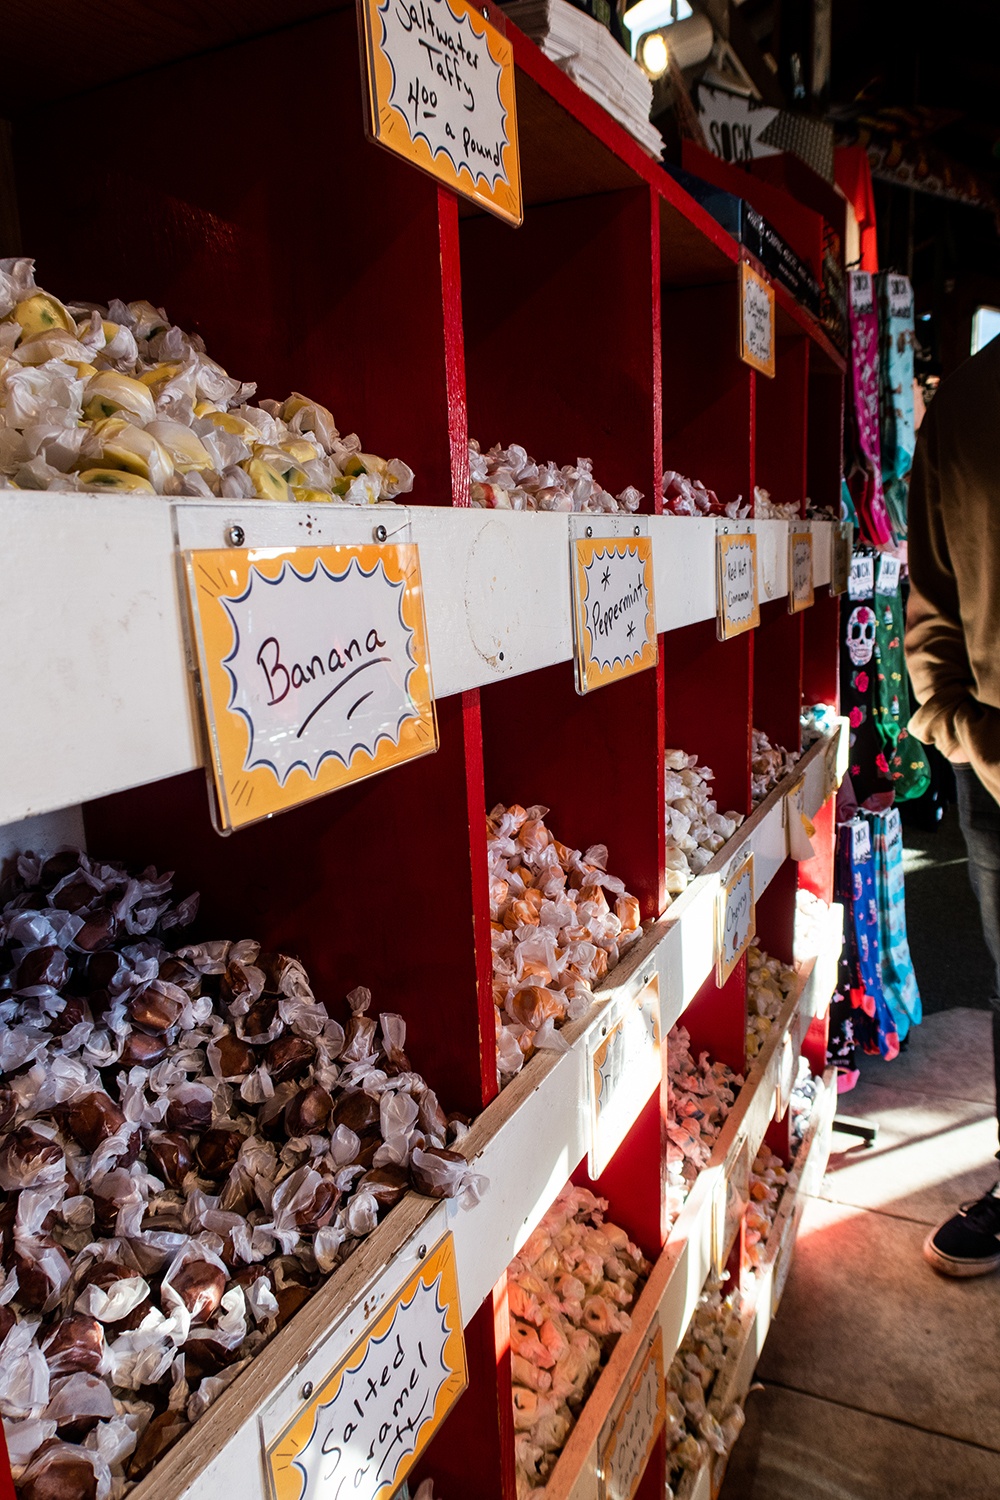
{"points": [[588, 52]]}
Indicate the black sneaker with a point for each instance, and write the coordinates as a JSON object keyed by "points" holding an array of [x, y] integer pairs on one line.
{"points": [[969, 1243]]}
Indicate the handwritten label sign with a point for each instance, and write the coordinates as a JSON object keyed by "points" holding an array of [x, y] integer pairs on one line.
{"points": [[626, 1449], [441, 95], [737, 919], [888, 575], [730, 1201], [737, 597], [756, 320], [861, 584], [625, 1067], [614, 618], [840, 562], [314, 670], [800, 570], [372, 1417]]}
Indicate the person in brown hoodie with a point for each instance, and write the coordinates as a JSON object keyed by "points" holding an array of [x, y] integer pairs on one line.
{"points": [[953, 654]]}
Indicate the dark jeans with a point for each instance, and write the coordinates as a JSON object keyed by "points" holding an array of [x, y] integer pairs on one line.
{"points": [[979, 816]]}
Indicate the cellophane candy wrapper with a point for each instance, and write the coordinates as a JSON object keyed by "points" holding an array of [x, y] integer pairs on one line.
{"points": [[507, 479], [118, 400], [769, 984], [766, 509], [689, 497], [697, 1426], [189, 1143], [768, 764], [569, 1288], [768, 1181], [700, 1094], [560, 922], [696, 829]]}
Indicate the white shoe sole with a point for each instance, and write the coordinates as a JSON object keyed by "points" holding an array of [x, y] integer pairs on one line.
{"points": [[950, 1266]]}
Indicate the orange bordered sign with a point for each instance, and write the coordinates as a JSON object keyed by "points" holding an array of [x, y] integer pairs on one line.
{"points": [[313, 667], [374, 1414], [614, 618], [441, 95]]}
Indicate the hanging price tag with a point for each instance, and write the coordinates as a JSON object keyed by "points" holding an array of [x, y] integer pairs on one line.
{"points": [[737, 598], [888, 575], [314, 670], [625, 1067], [840, 563], [736, 920], [800, 570], [614, 618], [625, 1450], [756, 320], [861, 584], [900, 297], [373, 1416], [893, 831], [441, 95]]}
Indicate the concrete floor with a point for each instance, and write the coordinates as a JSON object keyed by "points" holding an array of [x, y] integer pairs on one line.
{"points": [[881, 1380]]}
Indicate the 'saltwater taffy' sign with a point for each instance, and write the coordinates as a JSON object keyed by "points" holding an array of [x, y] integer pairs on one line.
{"points": [[441, 95], [614, 618], [737, 919], [625, 1066], [626, 1449], [314, 670], [729, 1203], [737, 598], [800, 570], [756, 320], [372, 1417]]}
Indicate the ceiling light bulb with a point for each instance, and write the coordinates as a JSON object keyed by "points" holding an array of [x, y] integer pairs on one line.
{"points": [[653, 54]]}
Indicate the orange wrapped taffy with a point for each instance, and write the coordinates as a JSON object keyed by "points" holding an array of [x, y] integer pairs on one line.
{"points": [[559, 923]]}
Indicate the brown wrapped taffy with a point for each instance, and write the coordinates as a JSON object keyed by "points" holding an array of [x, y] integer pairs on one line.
{"points": [[62, 1471], [75, 1345]]}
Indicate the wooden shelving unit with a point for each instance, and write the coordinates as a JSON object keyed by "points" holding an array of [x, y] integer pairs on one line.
{"points": [[605, 326]]}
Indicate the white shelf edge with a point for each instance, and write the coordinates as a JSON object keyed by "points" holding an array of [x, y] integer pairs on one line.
{"points": [[96, 670]]}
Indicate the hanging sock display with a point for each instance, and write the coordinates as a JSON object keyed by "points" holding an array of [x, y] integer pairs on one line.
{"points": [[874, 1024], [865, 479], [902, 760], [899, 983], [898, 433], [857, 668]]}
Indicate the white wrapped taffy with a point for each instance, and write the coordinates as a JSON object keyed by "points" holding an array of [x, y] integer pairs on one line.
{"points": [[766, 509], [695, 828], [507, 479], [560, 922], [768, 764], [568, 1290], [700, 1095], [769, 984], [116, 400]]}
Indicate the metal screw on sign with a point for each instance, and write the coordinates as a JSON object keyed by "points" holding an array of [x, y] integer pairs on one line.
{"points": [[635, 531], [590, 531], [307, 1390], [235, 536], [421, 1252], [380, 533], [500, 657]]}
